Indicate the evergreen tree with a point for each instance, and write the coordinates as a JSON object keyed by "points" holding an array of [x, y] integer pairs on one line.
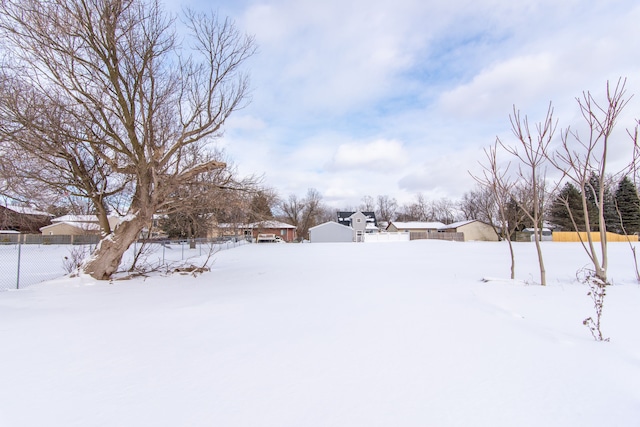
{"points": [[559, 213], [610, 214], [628, 206]]}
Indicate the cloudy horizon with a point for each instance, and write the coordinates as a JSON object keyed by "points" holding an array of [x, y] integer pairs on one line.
{"points": [[376, 98]]}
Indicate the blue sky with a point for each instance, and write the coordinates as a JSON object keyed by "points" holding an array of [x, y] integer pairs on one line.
{"points": [[373, 97]]}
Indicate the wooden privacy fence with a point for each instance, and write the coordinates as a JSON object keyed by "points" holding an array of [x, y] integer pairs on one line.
{"points": [[435, 235], [573, 236]]}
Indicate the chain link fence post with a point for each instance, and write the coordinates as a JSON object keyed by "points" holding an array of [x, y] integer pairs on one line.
{"points": [[19, 256]]}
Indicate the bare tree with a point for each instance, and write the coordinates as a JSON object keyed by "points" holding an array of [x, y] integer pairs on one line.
{"points": [[291, 211], [416, 211], [497, 182], [470, 204], [303, 213], [583, 159], [368, 204], [386, 208], [408, 212], [444, 210], [530, 150], [193, 208], [312, 210], [98, 96]]}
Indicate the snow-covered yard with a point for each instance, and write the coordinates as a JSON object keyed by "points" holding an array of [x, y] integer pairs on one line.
{"points": [[376, 334]]}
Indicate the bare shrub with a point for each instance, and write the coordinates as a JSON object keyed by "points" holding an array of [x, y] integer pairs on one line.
{"points": [[597, 292], [72, 262]]}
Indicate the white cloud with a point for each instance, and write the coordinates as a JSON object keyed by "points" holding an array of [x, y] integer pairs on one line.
{"points": [[380, 155]]}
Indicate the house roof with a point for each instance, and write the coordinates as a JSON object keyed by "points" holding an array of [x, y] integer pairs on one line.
{"points": [[459, 224], [270, 224], [27, 211], [76, 218], [261, 224], [344, 217], [86, 226], [330, 224], [84, 219], [417, 225]]}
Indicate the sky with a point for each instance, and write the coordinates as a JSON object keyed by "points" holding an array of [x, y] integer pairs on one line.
{"points": [[357, 98]]}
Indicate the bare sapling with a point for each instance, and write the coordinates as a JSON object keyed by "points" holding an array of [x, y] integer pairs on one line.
{"points": [[580, 158], [498, 183], [530, 151]]}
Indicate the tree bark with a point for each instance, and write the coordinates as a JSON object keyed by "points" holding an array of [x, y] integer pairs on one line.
{"points": [[105, 260]]}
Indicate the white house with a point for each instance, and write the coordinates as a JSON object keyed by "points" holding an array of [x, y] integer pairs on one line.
{"points": [[351, 227]]}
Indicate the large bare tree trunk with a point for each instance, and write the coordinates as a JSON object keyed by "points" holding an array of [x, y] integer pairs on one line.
{"points": [[105, 260]]}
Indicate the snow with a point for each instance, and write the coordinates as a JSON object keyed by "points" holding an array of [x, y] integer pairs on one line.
{"points": [[312, 335]]}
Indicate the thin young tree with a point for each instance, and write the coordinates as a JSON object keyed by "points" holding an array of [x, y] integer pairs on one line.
{"points": [[530, 151], [583, 158], [497, 182], [99, 96]]}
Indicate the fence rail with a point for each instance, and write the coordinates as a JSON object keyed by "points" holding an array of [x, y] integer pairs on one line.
{"points": [[26, 260]]}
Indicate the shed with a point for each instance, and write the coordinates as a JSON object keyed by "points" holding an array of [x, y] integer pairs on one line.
{"points": [[330, 232], [472, 230]]}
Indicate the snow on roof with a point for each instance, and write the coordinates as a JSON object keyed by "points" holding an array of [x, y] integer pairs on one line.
{"points": [[418, 225], [330, 224], [27, 211], [81, 218], [261, 224], [9, 232], [76, 218], [87, 226], [270, 224], [459, 223]]}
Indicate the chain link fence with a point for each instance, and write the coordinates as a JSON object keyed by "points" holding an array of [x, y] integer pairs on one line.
{"points": [[29, 259]]}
